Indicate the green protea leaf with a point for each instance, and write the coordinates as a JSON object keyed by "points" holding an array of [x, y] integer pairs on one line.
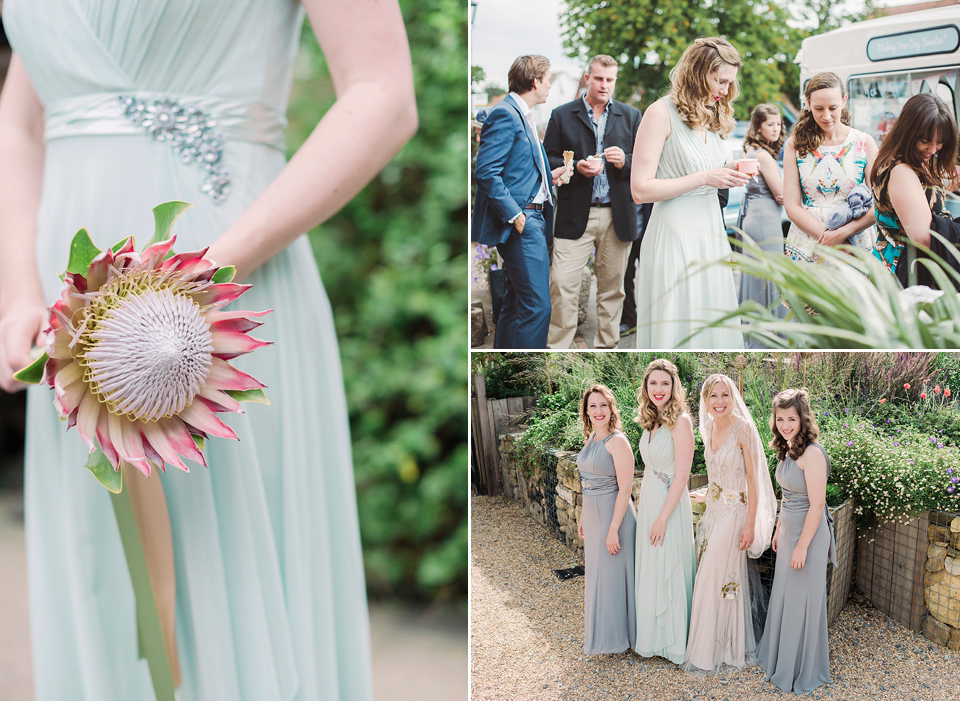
{"points": [[249, 395], [199, 441], [225, 274], [102, 469], [33, 373], [82, 252], [164, 215]]}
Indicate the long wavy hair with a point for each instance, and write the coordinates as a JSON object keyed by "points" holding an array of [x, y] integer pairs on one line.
{"points": [[807, 134], [799, 400], [689, 87], [647, 415], [925, 117], [604, 391], [753, 138]]}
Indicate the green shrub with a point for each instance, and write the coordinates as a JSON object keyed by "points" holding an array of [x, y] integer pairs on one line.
{"points": [[394, 264]]}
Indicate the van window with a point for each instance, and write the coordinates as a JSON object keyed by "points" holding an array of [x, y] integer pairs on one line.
{"points": [[875, 101]]}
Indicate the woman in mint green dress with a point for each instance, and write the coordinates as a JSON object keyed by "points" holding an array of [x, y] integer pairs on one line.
{"points": [[109, 109], [665, 561]]}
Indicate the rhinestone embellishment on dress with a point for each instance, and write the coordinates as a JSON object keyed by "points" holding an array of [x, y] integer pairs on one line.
{"points": [[191, 133]]}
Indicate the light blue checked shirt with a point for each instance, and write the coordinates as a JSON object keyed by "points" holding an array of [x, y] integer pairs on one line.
{"points": [[601, 186]]}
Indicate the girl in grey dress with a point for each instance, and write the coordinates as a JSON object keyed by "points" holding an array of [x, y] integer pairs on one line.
{"points": [[760, 213], [793, 649], [608, 524]]}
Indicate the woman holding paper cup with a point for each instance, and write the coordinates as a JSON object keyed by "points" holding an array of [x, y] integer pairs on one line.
{"points": [[823, 160], [760, 212], [678, 164]]}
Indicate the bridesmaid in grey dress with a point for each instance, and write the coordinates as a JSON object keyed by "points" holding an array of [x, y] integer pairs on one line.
{"points": [[608, 524], [793, 649], [760, 213]]}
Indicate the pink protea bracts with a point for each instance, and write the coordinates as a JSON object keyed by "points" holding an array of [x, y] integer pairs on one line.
{"points": [[137, 353]]}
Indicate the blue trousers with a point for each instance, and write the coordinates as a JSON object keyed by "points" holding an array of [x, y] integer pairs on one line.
{"points": [[525, 314]]}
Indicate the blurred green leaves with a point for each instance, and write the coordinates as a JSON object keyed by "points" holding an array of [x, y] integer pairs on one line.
{"points": [[394, 263]]}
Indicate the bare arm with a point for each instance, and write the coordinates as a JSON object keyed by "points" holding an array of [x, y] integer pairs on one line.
{"points": [[683, 445], [814, 467], [365, 45], [22, 306], [619, 449], [910, 203], [792, 198], [647, 149]]}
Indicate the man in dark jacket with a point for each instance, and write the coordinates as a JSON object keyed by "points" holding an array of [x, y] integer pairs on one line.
{"points": [[595, 209]]}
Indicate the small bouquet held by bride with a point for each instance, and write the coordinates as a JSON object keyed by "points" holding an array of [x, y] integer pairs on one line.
{"points": [[137, 353]]}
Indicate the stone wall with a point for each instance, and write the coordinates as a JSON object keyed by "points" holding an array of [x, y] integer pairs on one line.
{"points": [[941, 583]]}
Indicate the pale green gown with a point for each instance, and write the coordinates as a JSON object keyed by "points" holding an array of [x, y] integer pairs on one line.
{"points": [[270, 589], [664, 573]]}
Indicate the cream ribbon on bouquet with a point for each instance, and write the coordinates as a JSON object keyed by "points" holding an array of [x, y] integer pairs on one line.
{"points": [[137, 354]]}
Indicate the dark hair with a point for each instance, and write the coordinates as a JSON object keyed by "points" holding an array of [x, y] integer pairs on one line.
{"points": [[925, 117], [753, 138], [604, 392], [799, 400], [807, 134], [525, 70]]}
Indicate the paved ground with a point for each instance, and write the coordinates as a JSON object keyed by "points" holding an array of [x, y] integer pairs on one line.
{"points": [[418, 655]]}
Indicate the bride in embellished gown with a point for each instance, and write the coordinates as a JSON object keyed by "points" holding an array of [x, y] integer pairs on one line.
{"points": [[109, 109], [736, 527]]}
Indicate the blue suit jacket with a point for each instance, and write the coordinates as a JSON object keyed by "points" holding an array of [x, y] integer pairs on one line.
{"points": [[507, 174]]}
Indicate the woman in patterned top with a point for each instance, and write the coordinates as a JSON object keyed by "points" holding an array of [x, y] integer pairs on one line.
{"points": [[823, 160], [917, 158]]}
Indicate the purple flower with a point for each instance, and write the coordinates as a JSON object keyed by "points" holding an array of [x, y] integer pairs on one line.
{"points": [[939, 445], [889, 421], [949, 470], [954, 480], [845, 424], [849, 443], [912, 462], [896, 445], [950, 489]]}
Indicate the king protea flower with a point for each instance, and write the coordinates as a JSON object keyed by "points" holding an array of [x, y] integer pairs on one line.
{"points": [[137, 353]]}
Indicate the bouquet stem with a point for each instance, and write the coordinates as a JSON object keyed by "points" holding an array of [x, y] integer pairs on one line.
{"points": [[144, 524]]}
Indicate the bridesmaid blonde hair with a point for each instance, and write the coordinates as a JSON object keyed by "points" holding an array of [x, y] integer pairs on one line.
{"points": [[689, 87], [647, 415], [799, 400], [604, 392]]}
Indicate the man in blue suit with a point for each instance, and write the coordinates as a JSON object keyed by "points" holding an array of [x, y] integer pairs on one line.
{"points": [[513, 204]]}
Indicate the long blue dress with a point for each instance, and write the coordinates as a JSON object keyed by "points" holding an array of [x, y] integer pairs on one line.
{"points": [[270, 588]]}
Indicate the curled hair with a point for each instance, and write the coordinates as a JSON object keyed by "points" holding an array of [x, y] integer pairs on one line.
{"points": [[799, 400], [604, 392], [753, 138], [925, 117], [690, 87], [525, 70], [647, 414], [807, 134]]}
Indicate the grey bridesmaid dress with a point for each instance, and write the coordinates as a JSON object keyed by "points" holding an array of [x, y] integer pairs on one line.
{"points": [[793, 649], [609, 613], [760, 221]]}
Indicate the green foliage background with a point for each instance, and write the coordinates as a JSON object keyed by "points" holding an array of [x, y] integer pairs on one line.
{"points": [[890, 426], [394, 264]]}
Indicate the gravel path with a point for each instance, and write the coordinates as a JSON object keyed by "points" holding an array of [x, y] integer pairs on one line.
{"points": [[527, 637]]}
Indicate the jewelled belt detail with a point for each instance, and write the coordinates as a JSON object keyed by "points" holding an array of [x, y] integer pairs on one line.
{"points": [[596, 485], [667, 479], [192, 135], [196, 128], [728, 497]]}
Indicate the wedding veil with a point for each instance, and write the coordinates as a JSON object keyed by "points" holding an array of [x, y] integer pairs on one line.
{"points": [[766, 500]]}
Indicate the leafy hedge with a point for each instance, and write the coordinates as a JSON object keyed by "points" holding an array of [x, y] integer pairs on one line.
{"points": [[394, 264]]}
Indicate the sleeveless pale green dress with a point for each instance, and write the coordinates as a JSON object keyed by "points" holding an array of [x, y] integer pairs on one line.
{"points": [[677, 294], [270, 589], [664, 573]]}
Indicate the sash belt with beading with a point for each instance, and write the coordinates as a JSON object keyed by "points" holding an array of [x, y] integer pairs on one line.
{"points": [[800, 502], [596, 485], [103, 113]]}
